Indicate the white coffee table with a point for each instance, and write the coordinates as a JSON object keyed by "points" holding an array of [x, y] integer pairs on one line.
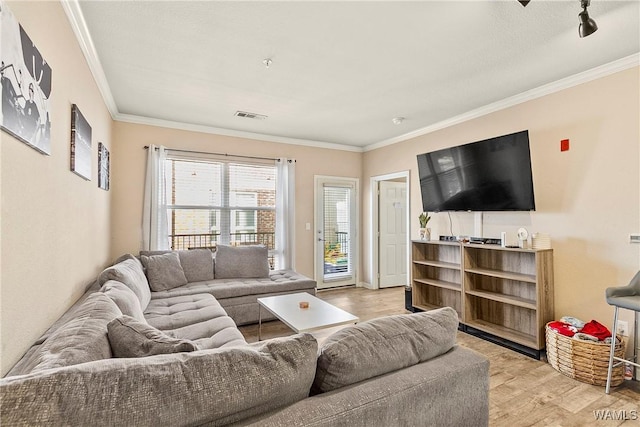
{"points": [[319, 315]]}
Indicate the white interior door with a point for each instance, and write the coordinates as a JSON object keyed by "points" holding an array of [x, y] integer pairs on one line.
{"points": [[392, 247], [335, 232]]}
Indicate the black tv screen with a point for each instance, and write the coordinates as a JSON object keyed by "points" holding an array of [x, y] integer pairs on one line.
{"points": [[490, 175]]}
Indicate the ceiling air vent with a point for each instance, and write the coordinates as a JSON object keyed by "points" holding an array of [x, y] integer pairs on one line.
{"points": [[250, 115]]}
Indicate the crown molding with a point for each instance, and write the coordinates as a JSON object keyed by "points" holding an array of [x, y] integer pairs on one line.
{"points": [[566, 83], [80, 29], [130, 118]]}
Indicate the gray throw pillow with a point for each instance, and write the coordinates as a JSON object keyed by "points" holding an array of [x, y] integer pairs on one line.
{"points": [[242, 262], [383, 345], [164, 271], [131, 338], [129, 272], [197, 264], [125, 299]]}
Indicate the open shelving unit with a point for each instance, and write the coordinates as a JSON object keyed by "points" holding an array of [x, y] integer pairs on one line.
{"points": [[504, 292], [437, 276]]}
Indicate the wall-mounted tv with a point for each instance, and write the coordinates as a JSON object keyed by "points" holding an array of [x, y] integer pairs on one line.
{"points": [[490, 175]]}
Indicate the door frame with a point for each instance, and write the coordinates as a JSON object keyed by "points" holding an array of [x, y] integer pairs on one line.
{"points": [[375, 224], [317, 179]]}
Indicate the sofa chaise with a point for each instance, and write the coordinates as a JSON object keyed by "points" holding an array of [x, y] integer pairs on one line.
{"points": [[144, 347]]}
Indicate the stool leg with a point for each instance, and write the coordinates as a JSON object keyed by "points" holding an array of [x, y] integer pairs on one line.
{"points": [[635, 342], [613, 349]]}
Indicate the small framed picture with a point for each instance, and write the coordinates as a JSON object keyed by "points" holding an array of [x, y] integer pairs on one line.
{"points": [[80, 144], [103, 167]]}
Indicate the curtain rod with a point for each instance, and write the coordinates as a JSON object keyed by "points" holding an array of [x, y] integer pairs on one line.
{"points": [[146, 147]]}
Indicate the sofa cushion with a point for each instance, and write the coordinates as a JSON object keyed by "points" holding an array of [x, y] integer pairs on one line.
{"points": [[383, 345], [130, 272], [197, 264], [131, 338], [195, 317], [164, 271], [82, 338], [213, 387], [125, 299], [241, 261]]}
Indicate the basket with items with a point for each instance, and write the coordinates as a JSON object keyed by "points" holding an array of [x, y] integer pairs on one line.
{"points": [[581, 350]]}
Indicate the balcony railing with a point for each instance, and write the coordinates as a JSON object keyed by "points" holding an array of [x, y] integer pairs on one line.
{"points": [[196, 241], [209, 241]]}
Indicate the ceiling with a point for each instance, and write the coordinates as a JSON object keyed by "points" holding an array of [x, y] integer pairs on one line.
{"points": [[340, 70]]}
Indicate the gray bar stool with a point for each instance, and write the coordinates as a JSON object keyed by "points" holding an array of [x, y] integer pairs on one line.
{"points": [[624, 297]]}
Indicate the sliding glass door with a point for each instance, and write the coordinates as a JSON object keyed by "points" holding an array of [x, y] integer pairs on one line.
{"points": [[335, 232]]}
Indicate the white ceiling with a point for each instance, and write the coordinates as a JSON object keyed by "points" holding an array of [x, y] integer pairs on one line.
{"points": [[341, 70]]}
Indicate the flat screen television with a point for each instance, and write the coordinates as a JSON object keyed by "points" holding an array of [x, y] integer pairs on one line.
{"points": [[490, 175]]}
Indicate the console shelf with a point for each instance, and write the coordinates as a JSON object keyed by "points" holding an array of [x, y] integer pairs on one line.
{"points": [[438, 264], [440, 284], [506, 292], [502, 274], [507, 299]]}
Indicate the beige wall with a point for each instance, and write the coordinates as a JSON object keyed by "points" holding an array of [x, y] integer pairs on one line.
{"points": [[55, 225], [587, 199], [128, 172]]}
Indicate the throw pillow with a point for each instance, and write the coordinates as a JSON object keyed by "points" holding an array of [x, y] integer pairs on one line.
{"points": [[242, 262], [164, 271], [383, 345], [132, 338], [125, 299], [129, 271], [197, 264]]}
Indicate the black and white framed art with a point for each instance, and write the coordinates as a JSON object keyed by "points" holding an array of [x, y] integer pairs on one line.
{"points": [[103, 166], [26, 85], [80, 144]]}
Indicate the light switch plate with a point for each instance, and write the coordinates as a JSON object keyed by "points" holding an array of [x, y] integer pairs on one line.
{"points": [[634, 238]]}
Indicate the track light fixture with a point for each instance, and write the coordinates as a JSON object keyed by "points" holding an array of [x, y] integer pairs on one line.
{"points": [[587, 25]]}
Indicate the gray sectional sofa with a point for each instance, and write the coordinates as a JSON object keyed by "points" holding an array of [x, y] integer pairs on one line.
{"points": [[155, 342]]}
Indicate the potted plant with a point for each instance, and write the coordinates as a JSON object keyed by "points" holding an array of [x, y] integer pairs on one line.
{"points": [[425, 233]]}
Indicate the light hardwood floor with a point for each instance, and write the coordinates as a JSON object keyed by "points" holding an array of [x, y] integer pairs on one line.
{"points": [[523, 391]]}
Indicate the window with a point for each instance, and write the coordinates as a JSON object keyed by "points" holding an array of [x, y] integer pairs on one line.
{"points": [[212, 201]]}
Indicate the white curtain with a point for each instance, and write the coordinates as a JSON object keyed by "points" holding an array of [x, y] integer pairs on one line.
{"points": [[155, 235], [285, 213]]}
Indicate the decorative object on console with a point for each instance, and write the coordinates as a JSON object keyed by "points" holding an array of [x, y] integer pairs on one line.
{"points": [[523, 237], [25, 114], [509, 239], [540, 241], [80, 144], [425, 233]]}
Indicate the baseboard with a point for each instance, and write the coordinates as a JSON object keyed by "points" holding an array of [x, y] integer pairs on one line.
{"points": [[365, 285]]}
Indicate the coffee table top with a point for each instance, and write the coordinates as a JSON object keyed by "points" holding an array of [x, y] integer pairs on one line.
{"points": [[319, 315]]}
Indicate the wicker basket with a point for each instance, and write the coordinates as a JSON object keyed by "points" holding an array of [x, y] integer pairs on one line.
{"points": [[584, 361]]}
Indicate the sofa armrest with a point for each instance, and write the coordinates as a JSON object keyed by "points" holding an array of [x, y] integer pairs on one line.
{"points": [[450, 390]]}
